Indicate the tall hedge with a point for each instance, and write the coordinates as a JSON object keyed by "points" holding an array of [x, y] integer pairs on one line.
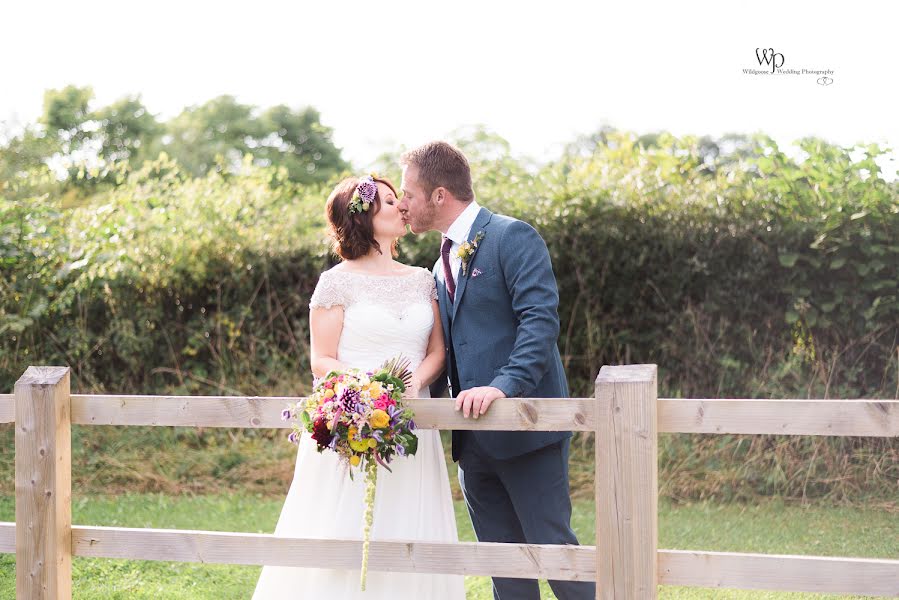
{"points": [[742, 273]]}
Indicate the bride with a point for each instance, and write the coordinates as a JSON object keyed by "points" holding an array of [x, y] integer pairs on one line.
{"points": [[364, 311]]}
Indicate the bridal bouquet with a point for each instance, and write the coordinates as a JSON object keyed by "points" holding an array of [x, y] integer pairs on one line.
{"points": [[360, 416]]}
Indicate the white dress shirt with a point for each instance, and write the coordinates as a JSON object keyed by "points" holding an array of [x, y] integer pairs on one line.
{"points": [[458, 232]]}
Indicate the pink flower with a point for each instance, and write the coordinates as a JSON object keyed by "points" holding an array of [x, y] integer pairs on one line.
{"points": [[384, 401]]}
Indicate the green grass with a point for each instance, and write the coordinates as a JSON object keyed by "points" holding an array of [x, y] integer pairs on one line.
{"points": [[770, 527]]}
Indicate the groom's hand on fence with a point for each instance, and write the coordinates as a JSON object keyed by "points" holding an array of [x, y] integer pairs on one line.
{"points": [[477, 400]]}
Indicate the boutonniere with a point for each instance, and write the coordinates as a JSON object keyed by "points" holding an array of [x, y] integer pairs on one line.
{"points": [[467, 249]]}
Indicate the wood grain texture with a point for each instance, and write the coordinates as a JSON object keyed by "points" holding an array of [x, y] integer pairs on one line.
{"points": [[7, 408], [573, 563], [874, 418], [879, 418], [508, 414], [627, 482], [818, 574], [735, 570], [43, 445]]}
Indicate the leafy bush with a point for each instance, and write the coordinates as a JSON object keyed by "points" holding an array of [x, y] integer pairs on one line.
{"points": [[740, 271]]}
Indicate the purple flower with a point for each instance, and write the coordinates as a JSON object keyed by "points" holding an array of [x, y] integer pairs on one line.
{"points": [[292, 437], [400, 450], [367, 189], [285, 414], [377, 435], [411, 425], [349, 398]]}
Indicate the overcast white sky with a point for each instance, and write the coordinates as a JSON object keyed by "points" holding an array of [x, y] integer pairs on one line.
{"points": [[385, 74]]}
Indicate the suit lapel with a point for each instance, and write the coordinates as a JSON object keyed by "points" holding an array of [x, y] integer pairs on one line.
{"points": [[445, 304], [483, 218]]}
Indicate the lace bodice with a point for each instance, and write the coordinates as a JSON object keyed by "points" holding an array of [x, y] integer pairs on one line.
{"points": [[383, 316], [345, 288]]}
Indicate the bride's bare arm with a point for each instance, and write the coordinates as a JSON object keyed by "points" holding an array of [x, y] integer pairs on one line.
{"points": [[435, 360], [325, 326]]}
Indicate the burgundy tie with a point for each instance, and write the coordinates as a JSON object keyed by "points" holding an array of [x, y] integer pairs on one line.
{"points": [[447, 271]]}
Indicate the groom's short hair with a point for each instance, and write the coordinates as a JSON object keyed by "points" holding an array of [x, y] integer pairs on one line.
{"points": [[443, 165]]}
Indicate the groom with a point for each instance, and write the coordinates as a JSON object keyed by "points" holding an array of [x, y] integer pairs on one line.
{"points": [[499, 308]]}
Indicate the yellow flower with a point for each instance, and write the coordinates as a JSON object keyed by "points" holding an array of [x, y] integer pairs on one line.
{"points": [[372, 443], [379, 419], [354, 460], [329, 393], [466, 250], [375, 389], [355, 443]]}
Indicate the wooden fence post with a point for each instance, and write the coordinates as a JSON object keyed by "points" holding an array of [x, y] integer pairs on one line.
{"points": [[627, 483], [44, 484]]}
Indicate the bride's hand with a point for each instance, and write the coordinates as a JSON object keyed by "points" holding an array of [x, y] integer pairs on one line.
{"points": [[413, 390]]}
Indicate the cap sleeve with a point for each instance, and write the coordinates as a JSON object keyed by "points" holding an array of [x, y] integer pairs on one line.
{"points": [[328, 292], [428, 285]]}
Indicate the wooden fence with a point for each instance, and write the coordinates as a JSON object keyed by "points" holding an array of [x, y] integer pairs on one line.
{"points": [[625, 414]]}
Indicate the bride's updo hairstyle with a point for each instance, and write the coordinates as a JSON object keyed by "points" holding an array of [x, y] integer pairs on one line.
{"points": [[352, 230]]}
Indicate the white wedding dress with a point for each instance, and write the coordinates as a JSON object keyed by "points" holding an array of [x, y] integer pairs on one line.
{"points": [[384, 316]]}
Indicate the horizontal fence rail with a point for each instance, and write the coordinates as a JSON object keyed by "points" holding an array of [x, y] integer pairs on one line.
{"points": [[862, 576], [873, 418], [569, 563], [625, 415], [782, 572]]}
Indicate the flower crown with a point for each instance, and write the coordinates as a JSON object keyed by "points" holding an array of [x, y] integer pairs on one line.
{"points": [[364, 195]]}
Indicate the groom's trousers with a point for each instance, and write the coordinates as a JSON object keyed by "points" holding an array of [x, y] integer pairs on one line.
{"points": [[522, 500]]}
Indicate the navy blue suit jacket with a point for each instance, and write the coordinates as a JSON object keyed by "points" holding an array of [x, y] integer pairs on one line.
{"points": [[503, 327]]}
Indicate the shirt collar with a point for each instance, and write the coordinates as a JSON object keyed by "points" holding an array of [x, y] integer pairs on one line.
{"points": [[458, 231]]}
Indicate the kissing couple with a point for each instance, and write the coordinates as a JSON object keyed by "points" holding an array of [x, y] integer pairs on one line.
{"points": [[483, 324]]}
